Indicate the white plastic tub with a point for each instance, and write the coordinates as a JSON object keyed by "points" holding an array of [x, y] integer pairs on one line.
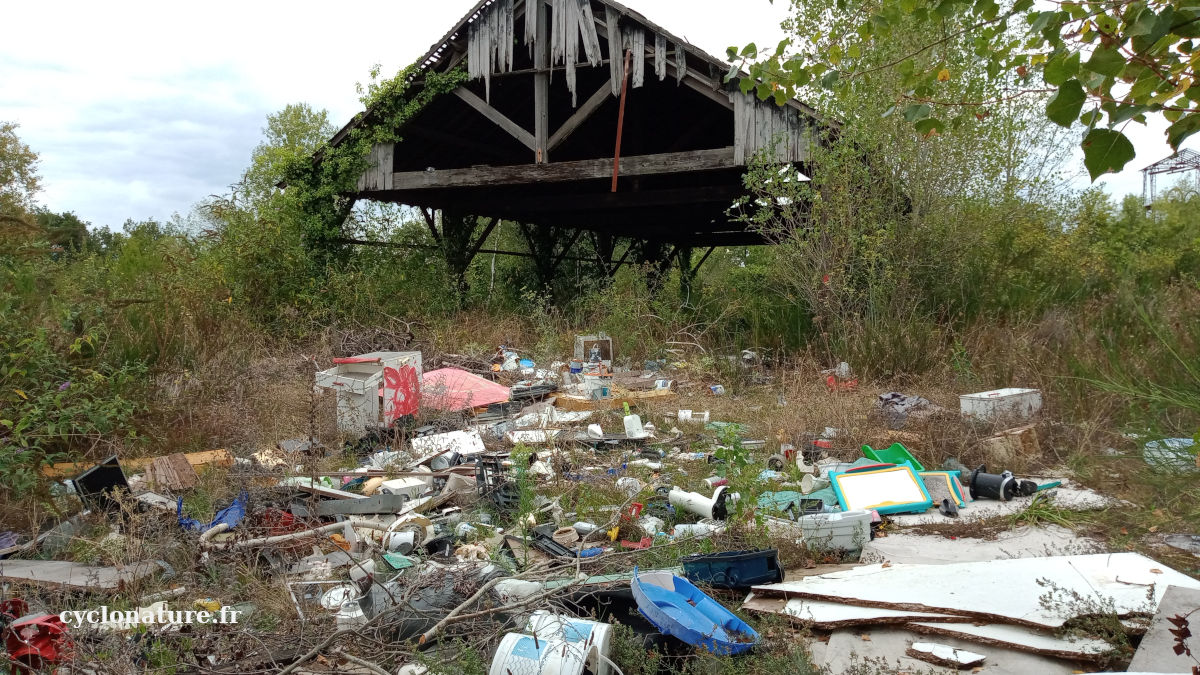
{"points": [[1008, 405], [844, 531]]}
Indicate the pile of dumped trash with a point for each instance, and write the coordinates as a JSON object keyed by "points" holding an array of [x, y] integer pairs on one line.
{"points": [[509, 494]]}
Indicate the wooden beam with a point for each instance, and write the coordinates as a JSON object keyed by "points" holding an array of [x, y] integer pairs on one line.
{"points": [[495, 116], [429, 247], [565, 249], [607, 201], [588, 169], [487, 232], [541, 87], [437, 238], [581, 115], [702, 260]]}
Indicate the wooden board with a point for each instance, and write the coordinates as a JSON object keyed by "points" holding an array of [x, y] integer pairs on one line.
{"points": [[173, 472], [198, 460], [74, 576], [998, 591]]}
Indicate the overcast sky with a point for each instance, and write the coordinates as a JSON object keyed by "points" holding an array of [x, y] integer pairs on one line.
{"points": [[141, 109]]}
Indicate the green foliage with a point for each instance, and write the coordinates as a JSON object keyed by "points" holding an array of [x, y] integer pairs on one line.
{"points": [[734, 457], [1141, 62], [458, 658], [19, 182], [320, 187], [55, 395]]}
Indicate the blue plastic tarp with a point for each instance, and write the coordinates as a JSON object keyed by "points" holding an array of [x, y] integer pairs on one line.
{"points": [[230, 515]]}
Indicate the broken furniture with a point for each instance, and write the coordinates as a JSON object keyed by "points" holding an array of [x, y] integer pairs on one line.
{"points": [[360, 381], [172, 472]]}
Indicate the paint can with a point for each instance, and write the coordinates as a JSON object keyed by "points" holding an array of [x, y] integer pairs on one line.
{"points": [[595, 636], [519, 653]]}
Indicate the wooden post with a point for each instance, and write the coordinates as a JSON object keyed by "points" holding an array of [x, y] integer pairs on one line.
{"points": [[621, 121], [541, 86]]}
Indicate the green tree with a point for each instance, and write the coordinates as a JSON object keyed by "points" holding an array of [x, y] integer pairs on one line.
{"points": [[1105, 63], [292, 134], [19, 180]]}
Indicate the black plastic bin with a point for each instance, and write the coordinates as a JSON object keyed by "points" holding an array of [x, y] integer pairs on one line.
{"points": [[733, 569]]}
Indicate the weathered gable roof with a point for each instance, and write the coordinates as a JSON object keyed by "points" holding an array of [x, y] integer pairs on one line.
{"points": [[452, 48]]}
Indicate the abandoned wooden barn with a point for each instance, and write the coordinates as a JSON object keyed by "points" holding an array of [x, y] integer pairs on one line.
{"points": [[557, 91]]}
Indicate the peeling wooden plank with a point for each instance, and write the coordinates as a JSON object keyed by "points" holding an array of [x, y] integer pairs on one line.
{"points": [[379, 175], [588, 169], [660, 56], [681, 67], [587, 29], [616, 50], [636, 42]]}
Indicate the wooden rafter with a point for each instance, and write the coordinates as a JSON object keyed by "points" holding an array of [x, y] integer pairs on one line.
{"points": [[498, 118], [581, 115]]}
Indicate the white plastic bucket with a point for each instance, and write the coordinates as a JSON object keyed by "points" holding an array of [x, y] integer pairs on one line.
{"points": [[519, 653], [592, 637]]}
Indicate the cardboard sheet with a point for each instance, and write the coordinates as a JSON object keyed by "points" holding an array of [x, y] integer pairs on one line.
{"points": [[999, 591]]}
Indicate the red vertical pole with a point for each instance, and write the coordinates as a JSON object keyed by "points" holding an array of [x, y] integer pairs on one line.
{"points": [[621, 120]]}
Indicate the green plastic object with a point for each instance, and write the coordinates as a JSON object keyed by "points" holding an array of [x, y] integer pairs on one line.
{"points": [[397, 561], [896, 454]]}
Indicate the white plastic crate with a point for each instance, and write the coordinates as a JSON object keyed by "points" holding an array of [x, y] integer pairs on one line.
{"points": [[1008, 405]]}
